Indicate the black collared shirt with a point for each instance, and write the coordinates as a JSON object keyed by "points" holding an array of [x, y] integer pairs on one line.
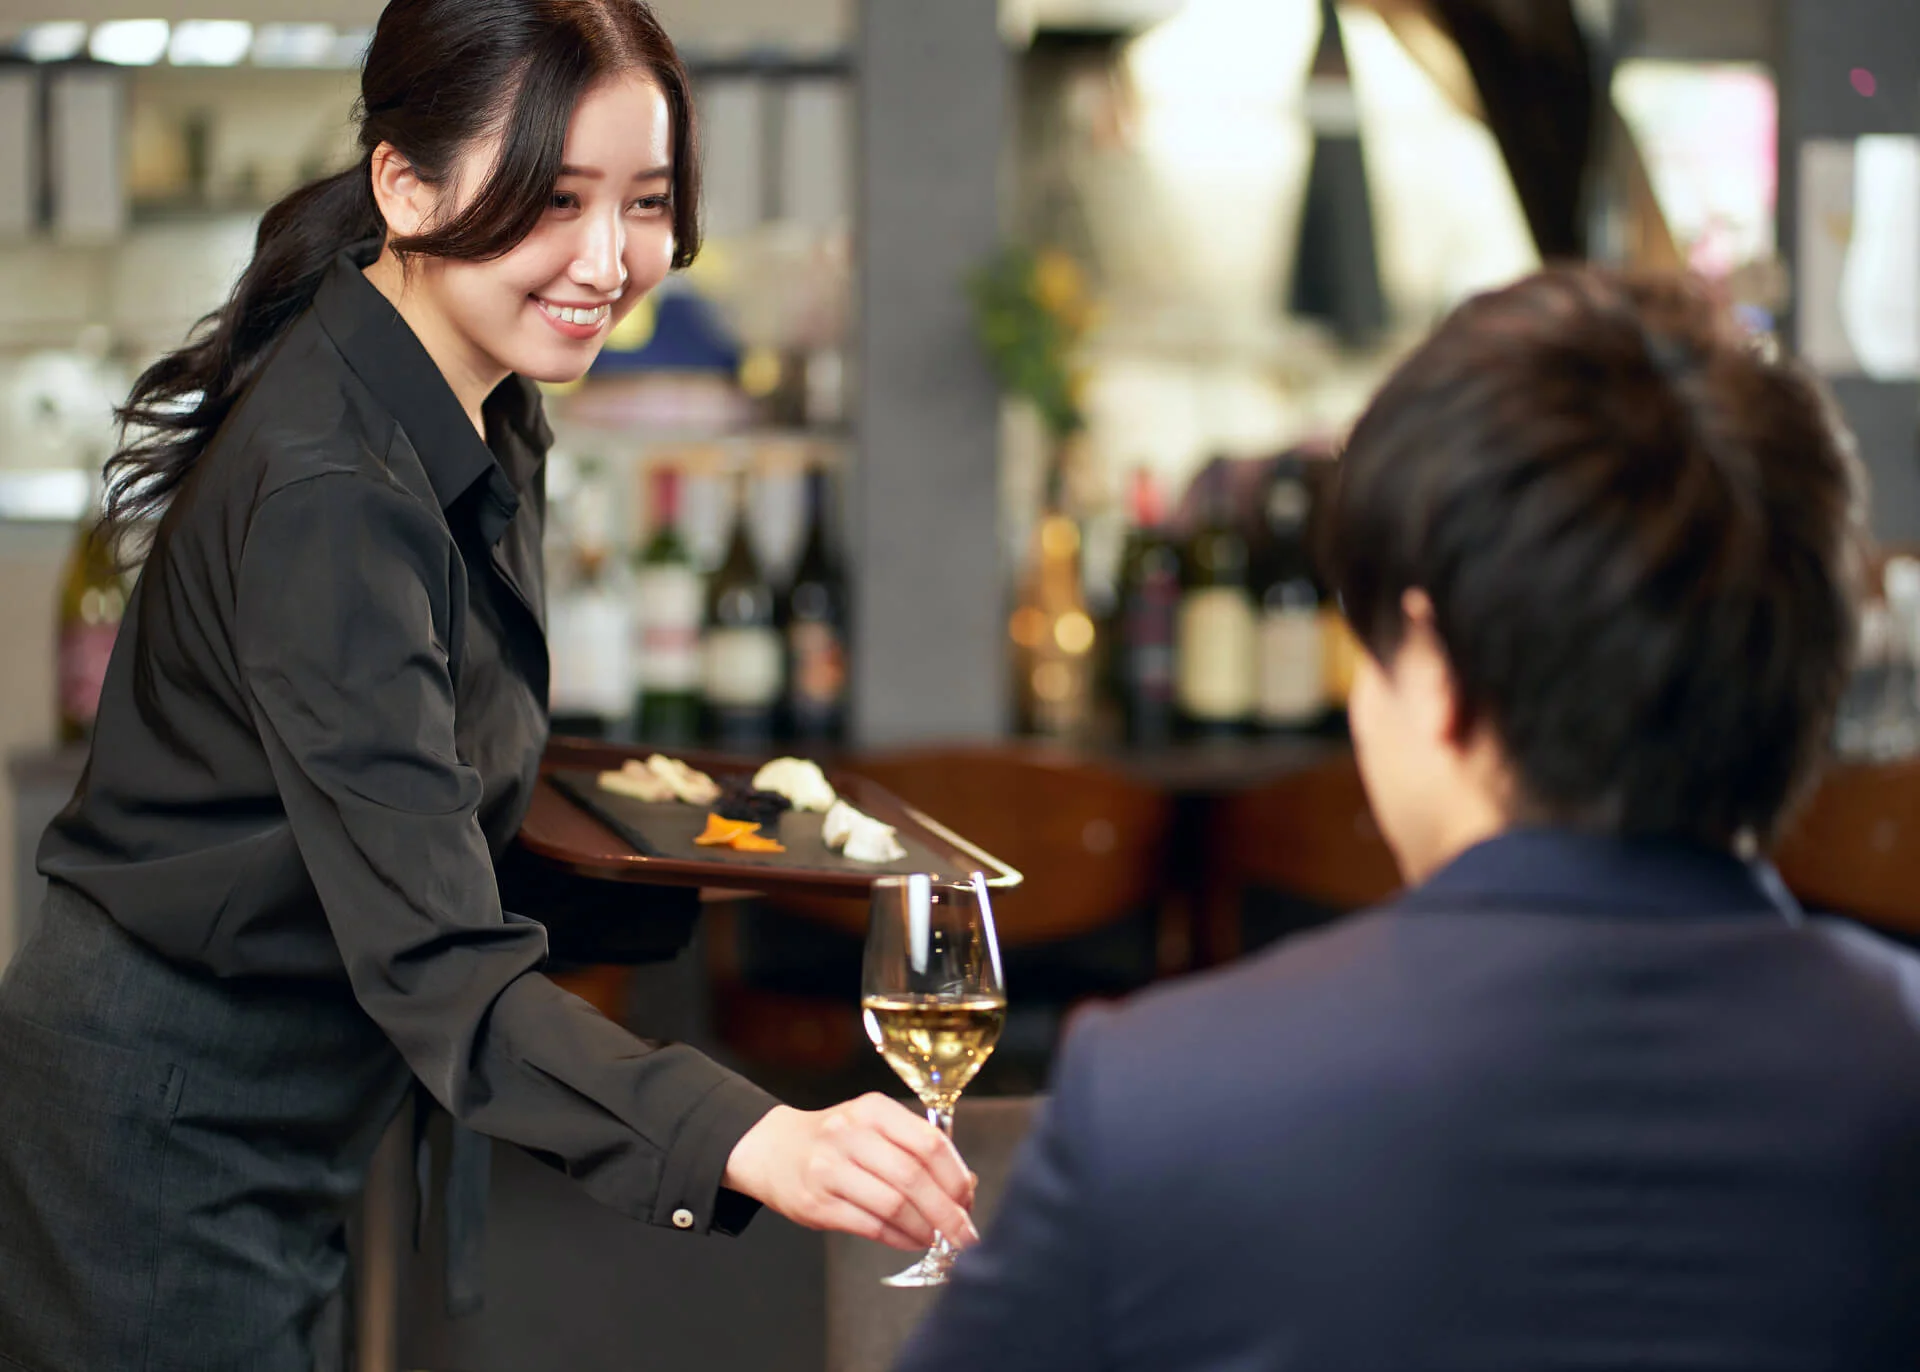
{"points": [[321, 727]]}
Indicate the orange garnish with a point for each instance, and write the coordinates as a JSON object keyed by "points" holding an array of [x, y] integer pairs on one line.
{"points": [[723, 833], [757, 843]]}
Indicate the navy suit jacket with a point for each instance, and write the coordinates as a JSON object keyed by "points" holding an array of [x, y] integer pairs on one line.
{"points": [[1574, 1103]]}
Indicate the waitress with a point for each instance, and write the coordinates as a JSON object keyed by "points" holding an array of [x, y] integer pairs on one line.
{"points": [[272, 902]]}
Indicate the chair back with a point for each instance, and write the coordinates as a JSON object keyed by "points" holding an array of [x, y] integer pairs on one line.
{"points": [[1090, 842], [1854, 849], [1310, 835]]}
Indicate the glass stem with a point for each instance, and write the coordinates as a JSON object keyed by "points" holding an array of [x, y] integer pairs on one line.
{"points": [[940, 1116]]}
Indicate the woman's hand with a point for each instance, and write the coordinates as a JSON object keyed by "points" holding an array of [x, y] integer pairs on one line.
{"points": [[870, 1167]]}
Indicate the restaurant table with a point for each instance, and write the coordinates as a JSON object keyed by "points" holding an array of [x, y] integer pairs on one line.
{"points": [[1853, 847]]}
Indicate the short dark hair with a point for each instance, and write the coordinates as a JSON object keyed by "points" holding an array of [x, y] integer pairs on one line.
{"points": [[1641, 534]]}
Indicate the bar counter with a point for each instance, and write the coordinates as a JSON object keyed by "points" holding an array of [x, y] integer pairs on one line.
{"points": [[1853, 847]]}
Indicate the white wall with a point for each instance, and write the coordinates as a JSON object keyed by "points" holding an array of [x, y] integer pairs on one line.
{"points": [[693, 23]]}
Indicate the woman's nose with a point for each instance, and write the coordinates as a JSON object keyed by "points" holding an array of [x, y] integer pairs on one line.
{"points": [[600, 264]]}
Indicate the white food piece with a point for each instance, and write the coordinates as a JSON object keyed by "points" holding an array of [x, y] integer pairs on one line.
{"points": [[874, 842], [638, 783], [693, 787], [803, 783], [858, 837], [839, 824]]}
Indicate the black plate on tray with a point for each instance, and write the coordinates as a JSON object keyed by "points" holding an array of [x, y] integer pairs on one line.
{"points": [[666, 830]]}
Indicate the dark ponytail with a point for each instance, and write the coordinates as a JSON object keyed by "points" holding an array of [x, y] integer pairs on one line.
{"points": [[180, 401], [439, 74]]}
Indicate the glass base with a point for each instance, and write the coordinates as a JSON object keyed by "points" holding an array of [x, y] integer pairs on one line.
{"points": [[931, 1270]]}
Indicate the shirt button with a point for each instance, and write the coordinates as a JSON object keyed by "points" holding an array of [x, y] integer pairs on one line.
{"points": [[683, 1219]]}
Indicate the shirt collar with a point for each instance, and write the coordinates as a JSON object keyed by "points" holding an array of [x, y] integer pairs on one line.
{"points": [[1559, 870], [391, 362]]}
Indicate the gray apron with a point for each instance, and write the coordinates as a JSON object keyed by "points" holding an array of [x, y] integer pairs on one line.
{"points": [[178, 1155]]}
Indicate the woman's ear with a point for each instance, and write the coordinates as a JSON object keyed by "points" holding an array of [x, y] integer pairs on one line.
{"points": [[406, 202]]}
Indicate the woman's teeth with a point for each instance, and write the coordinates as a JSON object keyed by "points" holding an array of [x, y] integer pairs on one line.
{"points": [[567, 315]]}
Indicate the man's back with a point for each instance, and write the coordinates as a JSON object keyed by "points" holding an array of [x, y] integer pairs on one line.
{"points": [[1575, 1103]]}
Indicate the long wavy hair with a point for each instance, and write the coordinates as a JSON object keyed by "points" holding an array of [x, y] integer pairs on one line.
{"points": [[438, 75]]}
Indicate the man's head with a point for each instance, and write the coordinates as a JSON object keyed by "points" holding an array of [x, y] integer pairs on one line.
{"points": [[1602, 553]]}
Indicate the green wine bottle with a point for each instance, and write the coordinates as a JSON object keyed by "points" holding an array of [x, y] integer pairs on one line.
{"points": [[668, 604]]}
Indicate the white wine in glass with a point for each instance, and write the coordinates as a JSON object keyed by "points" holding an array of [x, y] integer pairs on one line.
{"points": [[933, 1001]]}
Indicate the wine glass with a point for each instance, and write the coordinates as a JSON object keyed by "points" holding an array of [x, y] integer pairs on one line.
{"points": [[933, 1000]]}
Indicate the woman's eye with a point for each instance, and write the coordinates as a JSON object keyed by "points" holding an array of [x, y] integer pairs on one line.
{"points": [[565, 200], [653, 204]]}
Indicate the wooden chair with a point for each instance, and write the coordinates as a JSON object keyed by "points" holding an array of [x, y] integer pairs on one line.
{"points": [[1855, 848], [1309, 838], [1090, 842]]}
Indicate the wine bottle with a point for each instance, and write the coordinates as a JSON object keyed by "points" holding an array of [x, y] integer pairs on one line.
{"points": [[1055, 641], [1217, 629], [1149, 613], [668, 608], [587, 616], [93, 597], [743, 659], [813, 617], [1293, 678]]}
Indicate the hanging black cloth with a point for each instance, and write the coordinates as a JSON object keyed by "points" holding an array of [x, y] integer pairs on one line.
{"points": [[1336, 273], [1533, 68]]}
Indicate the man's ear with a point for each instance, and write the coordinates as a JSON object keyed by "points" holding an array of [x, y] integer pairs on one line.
{"points": [[1423, 657], [406, 202]]}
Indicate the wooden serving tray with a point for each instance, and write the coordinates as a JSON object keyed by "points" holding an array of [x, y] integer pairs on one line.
{"points": [[592, 833]]}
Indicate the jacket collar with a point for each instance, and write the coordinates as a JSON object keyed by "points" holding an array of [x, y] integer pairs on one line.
{"points": [[1558, 870], [390, 361]]}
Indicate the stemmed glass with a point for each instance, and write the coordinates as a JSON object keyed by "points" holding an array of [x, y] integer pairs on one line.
{"points": [[933, 1001]]}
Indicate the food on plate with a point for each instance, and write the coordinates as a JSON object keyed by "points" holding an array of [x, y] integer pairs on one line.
{"points": [[838, 825], [800, 781], [874, 842], [739, 800], [689, 784], [721, 831], [741, 835], [636, 782], [860, 837], [659, 779]]}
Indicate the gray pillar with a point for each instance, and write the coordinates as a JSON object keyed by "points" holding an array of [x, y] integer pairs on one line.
{"points": [[1821, 43], [929, 605]]}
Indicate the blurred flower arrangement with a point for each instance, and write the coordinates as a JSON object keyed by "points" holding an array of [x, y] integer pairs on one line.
{"points": [[1031, 310]]}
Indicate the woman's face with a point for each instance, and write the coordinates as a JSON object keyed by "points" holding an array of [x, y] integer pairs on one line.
{"points": [[545, 308]]}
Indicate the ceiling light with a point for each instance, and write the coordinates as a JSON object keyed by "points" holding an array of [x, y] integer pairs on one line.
{"points": [[209, 42], [129, 42], [57, 42], [293, 45]]}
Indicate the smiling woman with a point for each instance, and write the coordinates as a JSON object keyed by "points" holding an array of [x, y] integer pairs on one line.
{"points": [[273, 904], [545, 306], [495, 135]]}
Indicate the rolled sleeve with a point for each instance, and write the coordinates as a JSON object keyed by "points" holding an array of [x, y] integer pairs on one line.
{"points": [[349, 604]]}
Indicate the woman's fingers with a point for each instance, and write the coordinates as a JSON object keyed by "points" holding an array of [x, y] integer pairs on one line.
{"points": [[869, 1167], [848, 1218], [933, 1150], [910, 1178], [881, 1199]]}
